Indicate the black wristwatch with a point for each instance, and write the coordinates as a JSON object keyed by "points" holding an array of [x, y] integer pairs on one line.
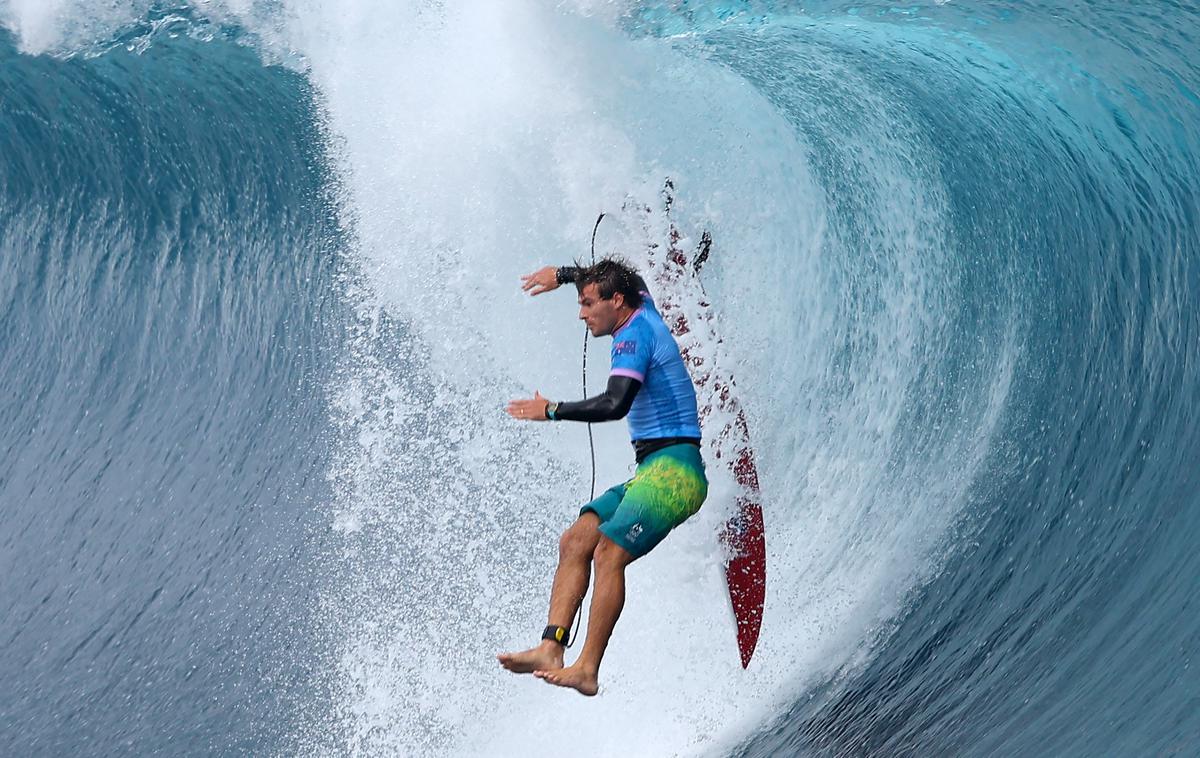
{"points": [[552, 411]]}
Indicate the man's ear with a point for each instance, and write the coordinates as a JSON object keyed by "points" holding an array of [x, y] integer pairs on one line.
{"points": [[618, 299]]}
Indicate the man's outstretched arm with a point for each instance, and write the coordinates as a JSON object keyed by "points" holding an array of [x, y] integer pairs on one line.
{"points": [[610, 405], [547, 279], [550, 278]]}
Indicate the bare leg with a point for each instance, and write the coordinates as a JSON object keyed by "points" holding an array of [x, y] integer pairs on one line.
{"points": [[575, 550], [607, 602]]}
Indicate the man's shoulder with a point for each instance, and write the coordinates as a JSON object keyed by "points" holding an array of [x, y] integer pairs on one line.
{"points": [[654, 325]]}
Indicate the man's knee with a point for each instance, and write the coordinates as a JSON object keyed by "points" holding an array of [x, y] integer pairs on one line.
{"points": [[610, 555], [579, 541]]}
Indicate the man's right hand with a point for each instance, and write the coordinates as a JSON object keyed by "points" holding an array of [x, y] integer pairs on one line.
{"points": [[542, 280]]}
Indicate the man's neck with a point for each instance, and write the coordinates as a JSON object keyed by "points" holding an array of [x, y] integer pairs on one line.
{"points": [[624, 320]]}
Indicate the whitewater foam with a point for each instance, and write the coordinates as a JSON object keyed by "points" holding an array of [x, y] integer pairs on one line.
{"points": [[478, 142], [490, 155]]}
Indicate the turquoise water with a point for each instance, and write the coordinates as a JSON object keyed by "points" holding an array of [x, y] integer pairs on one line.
{"points": [[258, 319]]}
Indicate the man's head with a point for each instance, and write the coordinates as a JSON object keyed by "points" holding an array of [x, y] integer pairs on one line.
{"points": [[609, 292]]}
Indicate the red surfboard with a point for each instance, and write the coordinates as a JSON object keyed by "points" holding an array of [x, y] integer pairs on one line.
{"points": [[686, 309]]}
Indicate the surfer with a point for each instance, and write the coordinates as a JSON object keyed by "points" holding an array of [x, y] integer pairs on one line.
{"points": [[650, 383]]}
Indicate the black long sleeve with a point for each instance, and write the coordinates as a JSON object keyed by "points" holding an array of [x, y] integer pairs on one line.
{"points": [[566, 274], [613, 404]]}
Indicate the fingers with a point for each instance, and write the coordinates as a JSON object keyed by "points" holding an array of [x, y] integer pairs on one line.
{"points": [[542, 280], [528, 410]]}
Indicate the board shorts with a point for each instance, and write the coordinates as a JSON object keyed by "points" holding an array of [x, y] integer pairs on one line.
{"points": [[668, 487]]}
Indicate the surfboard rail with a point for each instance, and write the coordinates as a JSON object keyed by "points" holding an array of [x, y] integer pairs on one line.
{"points": [[686, 309]]}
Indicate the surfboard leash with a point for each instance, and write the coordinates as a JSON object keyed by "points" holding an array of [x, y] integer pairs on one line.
{"points": [[591, 440], [591, 443]]}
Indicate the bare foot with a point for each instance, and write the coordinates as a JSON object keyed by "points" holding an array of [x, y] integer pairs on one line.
{"points": [[575, 677], [547, 656]]}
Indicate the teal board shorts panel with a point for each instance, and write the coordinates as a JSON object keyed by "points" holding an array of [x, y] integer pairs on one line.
{"points": [[668, 487]]}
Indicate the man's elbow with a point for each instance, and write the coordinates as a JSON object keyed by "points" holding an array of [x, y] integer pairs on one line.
{"points": [[619, 411], [613, 410]]}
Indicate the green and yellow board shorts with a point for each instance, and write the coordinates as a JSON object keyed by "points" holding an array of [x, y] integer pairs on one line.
{"points": [[667, 488]]}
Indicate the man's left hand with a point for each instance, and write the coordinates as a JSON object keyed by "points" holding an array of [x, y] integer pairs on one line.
{"points": [[529, 410]]}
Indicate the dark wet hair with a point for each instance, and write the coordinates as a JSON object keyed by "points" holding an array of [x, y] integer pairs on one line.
{"points": [[612, 275]]}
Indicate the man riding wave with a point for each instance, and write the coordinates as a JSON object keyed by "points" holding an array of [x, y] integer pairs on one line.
{"points": [[650, 384]]}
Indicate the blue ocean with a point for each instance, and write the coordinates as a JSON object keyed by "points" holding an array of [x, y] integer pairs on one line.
{"points": [[260, 314]]}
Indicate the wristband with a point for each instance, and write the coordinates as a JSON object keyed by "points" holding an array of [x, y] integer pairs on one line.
{"points": [[552, 411]]}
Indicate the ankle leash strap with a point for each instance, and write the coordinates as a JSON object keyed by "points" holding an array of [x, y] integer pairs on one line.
{"points": [[559, 634]]}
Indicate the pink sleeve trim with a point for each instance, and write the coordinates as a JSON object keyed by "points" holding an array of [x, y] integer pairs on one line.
{"points": [[629, 373]]}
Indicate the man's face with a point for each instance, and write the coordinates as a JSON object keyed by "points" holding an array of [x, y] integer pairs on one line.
{"points": [[601, 316]]}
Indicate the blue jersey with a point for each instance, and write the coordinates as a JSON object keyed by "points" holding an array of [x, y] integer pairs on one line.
{"points": [[644, 349]]}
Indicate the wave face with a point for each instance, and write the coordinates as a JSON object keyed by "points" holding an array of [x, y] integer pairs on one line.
{"points": [[1066, 154], [166, 312], [261, 319]]}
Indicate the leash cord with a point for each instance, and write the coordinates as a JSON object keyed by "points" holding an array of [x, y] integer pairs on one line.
{"points": [[591, 441]]}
